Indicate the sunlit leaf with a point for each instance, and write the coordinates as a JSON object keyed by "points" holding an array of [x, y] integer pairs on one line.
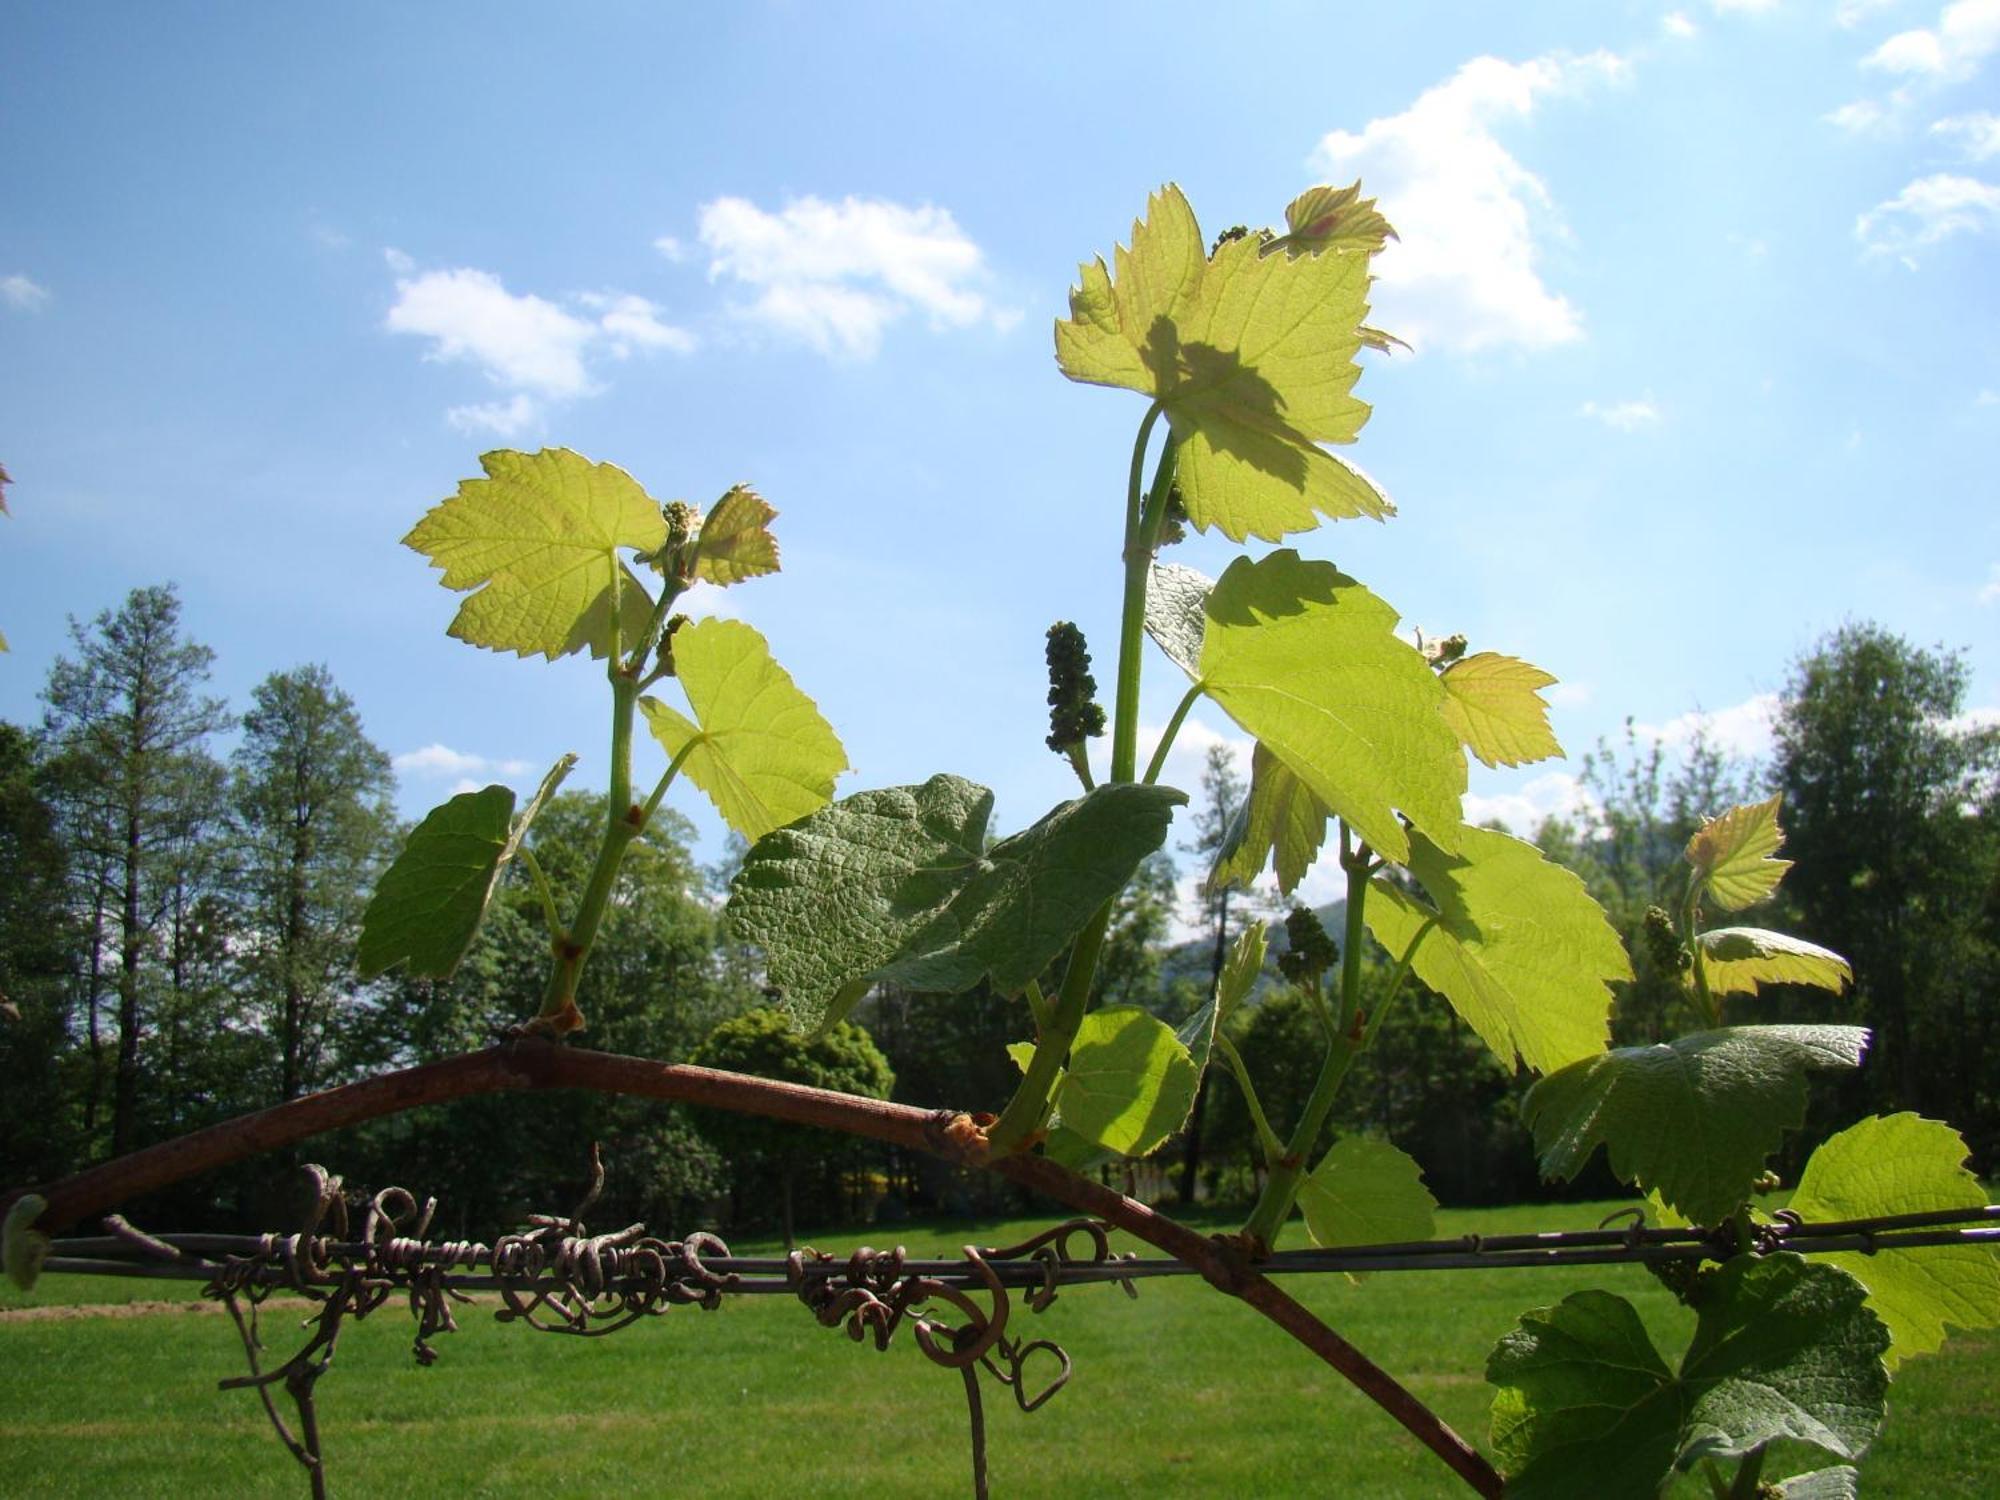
{"points": [[1904, 1164], [1694, 1119], [1366, 1192], [1519, 948], [1240, 973], [1492, 704], [758, 746], [735, 541], [539, 539], [427, 907], [1308, 661], [900, 884], [1332, 219], [1734, 854], [1130, 1082], [1737, 960], [1252, 357]]}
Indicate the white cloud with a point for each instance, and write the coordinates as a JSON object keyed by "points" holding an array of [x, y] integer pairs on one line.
{"points": [[1626, 416], [1190, 753], [1977, 135], [1567, 694], [1967, 32], [1851, 13], [1973, 720], [1928, 210], [503, 418], [23, 295], [835, 275], [1465, 272], [441, 760], [1743, 730], [1676, 23], [671, 248], [529, 346], [1870, 117], [1987, 398], [1991, 593], [633, 322], [519, 341], [1553, 794]]}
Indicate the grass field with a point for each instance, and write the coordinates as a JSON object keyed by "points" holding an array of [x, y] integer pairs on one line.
{"points": [[1180, 1393]]}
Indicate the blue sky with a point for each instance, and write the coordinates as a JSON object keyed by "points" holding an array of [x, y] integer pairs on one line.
{"points": [[1703, 298]]}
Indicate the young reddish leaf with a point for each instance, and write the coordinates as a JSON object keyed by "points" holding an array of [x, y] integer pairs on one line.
{"points": [[1733, 854], [735, 541]]}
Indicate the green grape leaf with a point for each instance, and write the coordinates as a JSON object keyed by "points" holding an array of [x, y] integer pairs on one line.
{"points": [[1329, 218], [1519, 949], [1280, 817], [1904, 1164], [899, 884], [1366, 1192], [1785, 1348], [735, 541], [760, 749], [1693, 1119], [1129, 1083], [1839, 1483], [1240, 972], [1252, 358], [1492, 704], [1175, 617], [1737, 960], [1022, 1054], [1585, 1406], [1733, 854], [1308, 661], [427, 907], [539, 539]]}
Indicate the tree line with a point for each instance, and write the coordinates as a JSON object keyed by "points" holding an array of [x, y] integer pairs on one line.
{"points": [[177, 935]]}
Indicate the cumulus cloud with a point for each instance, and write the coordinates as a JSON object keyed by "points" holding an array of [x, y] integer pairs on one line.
{"points": [[1977, 135], [1553, 794], [1625, 416], [23, 295], [1991, 593], [1851, 13], [1872, 117], [527, 345], [1967, 32], [1743, 730], [1676, 23], [836, 275], [1929, 210], [438, 761], [1466, 273]]}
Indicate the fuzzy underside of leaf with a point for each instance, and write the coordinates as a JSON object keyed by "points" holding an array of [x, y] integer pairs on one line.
{"points": [[899, 884], [1694, 1119]]}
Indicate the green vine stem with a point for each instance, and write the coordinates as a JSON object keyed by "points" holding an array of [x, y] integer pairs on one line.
{"points": [[1351, 1036], [1159, 761], [1028, 1110]]}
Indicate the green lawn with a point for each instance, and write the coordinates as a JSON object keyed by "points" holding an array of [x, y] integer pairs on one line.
{"points": [[1181, 1392]]}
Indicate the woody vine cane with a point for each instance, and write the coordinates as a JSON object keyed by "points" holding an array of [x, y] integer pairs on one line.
{"points": [[1246, 354]]}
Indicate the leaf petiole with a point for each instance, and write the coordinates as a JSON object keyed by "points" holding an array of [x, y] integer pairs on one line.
{"points": [[1267, 1138], [548, 896], [1159, 760], [666, 780]]}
